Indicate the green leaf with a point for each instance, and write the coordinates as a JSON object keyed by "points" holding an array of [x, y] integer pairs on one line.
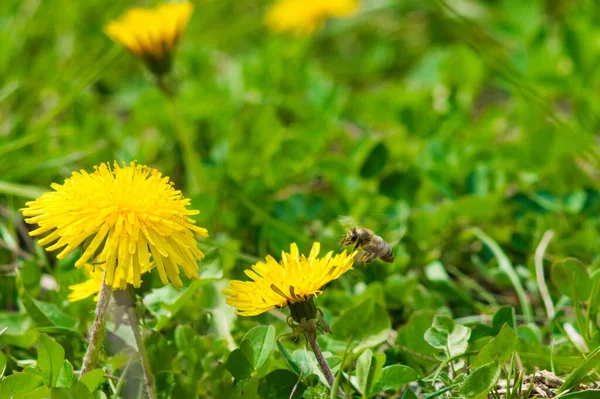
{"points": [[14, 323], [78, 391], [303, 360], [34, 370], [26, 340], [258, 344], [164, 303], [368, 370], [165, 384], [279, 384], [31, 274], [399, 288], [42, 392], [60, 330], [440, 279], [65, 377], [44, 314], [375, 162], [50, 359], [184, 336], [411, 336], [238, 365], [160, 353], [19, 383], [368, 323], [591, 394], [97, 394], [184, 340], [481, 381], [223, 315], [451, 337], [289, 360], [334, 363], [577, 375], [571, 277], [594, 303], [400, 186], [250, 389], [530, 334], [57, 316], [307, 362], [574, 202], [504, 315], [393, 377], [409, 394], [499, 348], [92, 379], [37, 315]]}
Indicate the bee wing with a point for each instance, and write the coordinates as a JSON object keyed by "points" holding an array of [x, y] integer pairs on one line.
{"points": [[394, 236], [347, 222], [390, 226]]}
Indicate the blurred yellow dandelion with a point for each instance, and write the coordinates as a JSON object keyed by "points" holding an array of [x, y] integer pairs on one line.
{"points": [[295, 279], [304, 17], [92, 285], [151, 34], [125, 217]]}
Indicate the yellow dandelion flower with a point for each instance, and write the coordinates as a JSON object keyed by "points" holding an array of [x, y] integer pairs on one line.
{"points": [[151, 34], [304, 17], [92, 285], [295, 279], [125, 217]]}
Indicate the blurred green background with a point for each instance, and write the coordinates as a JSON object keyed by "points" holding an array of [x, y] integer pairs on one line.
{"points": [[413, 120], [416, 119]]}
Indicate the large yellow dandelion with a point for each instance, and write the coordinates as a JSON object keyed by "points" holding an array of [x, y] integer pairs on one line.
{"points": [[125, 217], [94, 283], [295, 279], [151, 34], [304, 17]]}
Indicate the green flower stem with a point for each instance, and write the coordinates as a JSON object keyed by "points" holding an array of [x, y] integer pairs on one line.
{"points": [[144, 360], [98, 328], [191, 159], [312, 340]]}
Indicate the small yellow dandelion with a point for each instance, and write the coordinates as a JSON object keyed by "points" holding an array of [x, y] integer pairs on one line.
{"points": [[92, 285], [296, 279], [304, 17], [151, 34], [125, 217]]}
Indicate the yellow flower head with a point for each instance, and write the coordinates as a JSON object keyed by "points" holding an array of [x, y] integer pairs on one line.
{"points": [[152, 34], [92, 286], [304, 17], [295, 279], [124, 217]]}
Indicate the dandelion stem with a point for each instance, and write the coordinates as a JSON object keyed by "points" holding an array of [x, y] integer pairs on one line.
{"points": [[312, 340], [97, 332], [139, 339], [191, 159]]}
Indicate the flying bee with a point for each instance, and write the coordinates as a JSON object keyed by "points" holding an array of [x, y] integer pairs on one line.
{"points": [[371, 245]]}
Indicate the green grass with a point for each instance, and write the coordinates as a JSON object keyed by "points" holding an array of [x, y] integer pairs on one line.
{"points": [[423, 121]]}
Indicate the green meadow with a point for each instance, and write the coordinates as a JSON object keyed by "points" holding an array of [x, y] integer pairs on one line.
{"points": [[464, 133]]}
